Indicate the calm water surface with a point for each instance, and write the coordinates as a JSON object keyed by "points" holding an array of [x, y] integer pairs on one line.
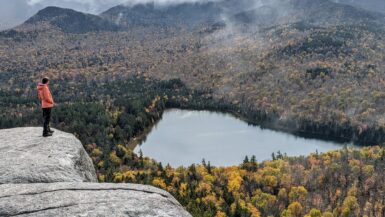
{"points": [[185, 137]]}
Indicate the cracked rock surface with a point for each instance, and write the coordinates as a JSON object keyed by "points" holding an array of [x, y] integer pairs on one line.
{"points": [[87, 199], [27, 157], [54, 176]]}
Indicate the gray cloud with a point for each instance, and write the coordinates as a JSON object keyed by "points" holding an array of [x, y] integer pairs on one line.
{"points": [[373, 5], [14, 12], [98, 6]]}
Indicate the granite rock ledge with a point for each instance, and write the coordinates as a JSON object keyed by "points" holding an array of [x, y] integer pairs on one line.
{"points": [[54, 176]]}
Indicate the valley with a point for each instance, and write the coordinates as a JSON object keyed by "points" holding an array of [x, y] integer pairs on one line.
{"points": [[310, 68]]}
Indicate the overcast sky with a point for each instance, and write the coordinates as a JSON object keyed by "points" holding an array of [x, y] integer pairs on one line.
{"points": [[14, 12]]}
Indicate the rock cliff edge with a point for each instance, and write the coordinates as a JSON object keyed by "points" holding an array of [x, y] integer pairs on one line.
{"points": [[54, 176]]}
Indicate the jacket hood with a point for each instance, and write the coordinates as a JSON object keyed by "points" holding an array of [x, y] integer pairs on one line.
{"points": [[40, 86]]}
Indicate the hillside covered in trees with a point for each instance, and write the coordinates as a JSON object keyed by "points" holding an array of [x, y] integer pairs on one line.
{"points": [[308, 67], [315, 69], [339, 183]]}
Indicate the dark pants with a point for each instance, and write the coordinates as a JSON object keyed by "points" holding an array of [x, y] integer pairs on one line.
{"points": [[47, 119]]}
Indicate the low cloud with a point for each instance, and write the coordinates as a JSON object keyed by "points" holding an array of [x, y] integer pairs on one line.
{"points": [[15, 12], [97, 6], [373, 5]]}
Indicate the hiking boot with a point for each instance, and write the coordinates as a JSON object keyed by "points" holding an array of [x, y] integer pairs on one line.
{"points": [[47, 134], [51, 131]]}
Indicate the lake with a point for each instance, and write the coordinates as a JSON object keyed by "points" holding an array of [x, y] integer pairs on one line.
{"points": [[184, 137]]}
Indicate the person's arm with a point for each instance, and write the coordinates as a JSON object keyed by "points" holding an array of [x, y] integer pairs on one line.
{"points": [[47, 95]]}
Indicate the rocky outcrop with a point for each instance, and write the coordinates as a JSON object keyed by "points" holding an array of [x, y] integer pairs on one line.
{"points": [[87, 199], [54, 176], [27, 157]]}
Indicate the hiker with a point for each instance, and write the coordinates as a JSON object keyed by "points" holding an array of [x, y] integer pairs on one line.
{"points": [[46, 104]]}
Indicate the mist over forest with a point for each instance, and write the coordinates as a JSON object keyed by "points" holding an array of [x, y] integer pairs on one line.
{"points": [[313, 69], [15, 12]]}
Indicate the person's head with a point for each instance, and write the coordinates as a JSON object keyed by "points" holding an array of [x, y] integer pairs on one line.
{"points": [[45, 80]]}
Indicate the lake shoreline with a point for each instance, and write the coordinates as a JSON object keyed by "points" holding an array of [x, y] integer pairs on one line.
{"points": [[336, 132], [339, 133], [201, 133], [138, 139]]}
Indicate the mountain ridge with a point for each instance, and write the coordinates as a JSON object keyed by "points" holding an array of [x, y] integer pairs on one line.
{"points": [[313, 79], [149, 14], [317, 12], [71, 21], [198, 15]]}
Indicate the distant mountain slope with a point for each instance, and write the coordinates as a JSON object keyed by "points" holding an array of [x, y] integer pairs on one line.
{"points": [[309, 46], [373, 5], [244, 12], [72, 21], [318, 12], [186, 14], [315, 69]]}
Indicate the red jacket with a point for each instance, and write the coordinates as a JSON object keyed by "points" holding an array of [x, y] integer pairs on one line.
{"points": [[45, 96]]}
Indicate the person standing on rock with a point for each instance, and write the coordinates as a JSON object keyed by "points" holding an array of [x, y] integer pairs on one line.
{"points": [[47, 104]]}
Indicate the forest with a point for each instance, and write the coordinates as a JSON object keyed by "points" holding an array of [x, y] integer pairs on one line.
{"points": [[107, 117], [338, 183], [305, 77], [298, 78]]}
